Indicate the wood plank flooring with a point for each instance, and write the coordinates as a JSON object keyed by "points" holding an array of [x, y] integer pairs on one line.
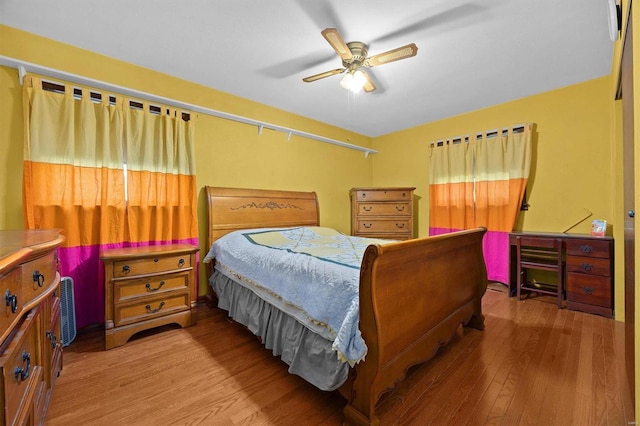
{"points": [[533, 364]]}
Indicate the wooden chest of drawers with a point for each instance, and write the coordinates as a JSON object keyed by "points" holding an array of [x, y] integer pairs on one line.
{"points": [[146, 287], [382, 213], [30, 346], [589, 264]]}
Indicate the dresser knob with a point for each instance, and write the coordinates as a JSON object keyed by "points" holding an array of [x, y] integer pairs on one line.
{"points": [[38, 278], [148, 286], [366, 225], [181, 262], [20, 373], [12, 300], [588, 290], [153, 311], [585, 249], [400, 225], [400, 208], [126, 269], [586, 267], [367, 208]]}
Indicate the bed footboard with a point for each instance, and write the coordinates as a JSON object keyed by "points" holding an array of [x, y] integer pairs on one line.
{"points": [[442, 279]]}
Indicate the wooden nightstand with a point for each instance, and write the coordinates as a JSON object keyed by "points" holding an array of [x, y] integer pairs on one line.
{"points": [[146, 287], [382, 213]]}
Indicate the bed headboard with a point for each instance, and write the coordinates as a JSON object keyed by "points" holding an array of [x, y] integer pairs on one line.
{"points": [[231, 209]]}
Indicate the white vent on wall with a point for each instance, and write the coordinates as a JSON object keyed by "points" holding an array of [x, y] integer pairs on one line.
{"points": [[67, 311]]}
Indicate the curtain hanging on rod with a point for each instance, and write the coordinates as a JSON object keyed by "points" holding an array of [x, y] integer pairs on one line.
{"points": [[23, 67]]}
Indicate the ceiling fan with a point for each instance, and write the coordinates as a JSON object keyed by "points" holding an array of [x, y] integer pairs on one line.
{"points": [[354, 59]]}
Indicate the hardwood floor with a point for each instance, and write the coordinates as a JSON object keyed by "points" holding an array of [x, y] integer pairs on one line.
{"points": [[533, 364]]}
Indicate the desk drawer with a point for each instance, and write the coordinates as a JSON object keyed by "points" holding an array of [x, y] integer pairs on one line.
{"points": [[589, 248], [589, 289], [589, 265]]}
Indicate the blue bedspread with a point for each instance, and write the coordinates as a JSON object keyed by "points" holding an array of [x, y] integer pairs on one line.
{"points": [[311, 273]]}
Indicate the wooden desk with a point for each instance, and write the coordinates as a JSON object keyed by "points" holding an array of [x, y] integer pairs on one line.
{"points": [[589, 270]]}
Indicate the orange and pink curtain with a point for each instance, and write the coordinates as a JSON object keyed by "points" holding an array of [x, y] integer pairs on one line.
{"points": [[481, 182], [107, 174]]}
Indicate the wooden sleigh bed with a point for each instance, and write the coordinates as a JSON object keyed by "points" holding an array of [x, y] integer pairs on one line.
{"points": [[413, 294]]}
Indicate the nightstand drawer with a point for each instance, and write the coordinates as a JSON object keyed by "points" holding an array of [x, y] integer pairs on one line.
{"points": [[589, 289], [148, 308], [589, 265], [124, 290], [377, 226], [150, 265], [589, 248], [383, 195], [384, 209]]}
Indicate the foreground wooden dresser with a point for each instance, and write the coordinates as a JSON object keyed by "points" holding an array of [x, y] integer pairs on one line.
{"points": [[30, 344], [382, 213], [146, 287]]}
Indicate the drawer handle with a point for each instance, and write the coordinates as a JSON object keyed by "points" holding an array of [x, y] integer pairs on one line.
{"points": [[367, 208], [22, 374], [586, 267], [38, 278], [126, 269], [153, 311], [400, 225], [181, 262], [148, 286], [400, 208], [53, 339], [12, 300], [366, 225], [156, 260], [588, 290], [586, 249]]}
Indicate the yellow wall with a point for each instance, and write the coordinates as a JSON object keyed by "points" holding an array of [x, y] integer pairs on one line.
{"points": [[572, 170], [227, 153], [573, 154]]}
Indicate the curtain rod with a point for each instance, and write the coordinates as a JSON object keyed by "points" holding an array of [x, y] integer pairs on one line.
{"points": [[23, 66], [489, 133]]}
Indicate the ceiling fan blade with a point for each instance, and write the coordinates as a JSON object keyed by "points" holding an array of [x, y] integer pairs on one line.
{"points": [[368, 85], [392, 55], [323, 75], [335, 40]]}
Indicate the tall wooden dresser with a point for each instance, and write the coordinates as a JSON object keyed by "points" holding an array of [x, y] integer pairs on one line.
{"points": [[147, 287], [382, 213], [30, 341]]}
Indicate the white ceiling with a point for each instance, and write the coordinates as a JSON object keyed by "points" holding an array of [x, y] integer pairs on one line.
{"points": [[471, 54]]}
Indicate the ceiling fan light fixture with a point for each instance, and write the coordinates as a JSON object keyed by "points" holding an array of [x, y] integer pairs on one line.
{"points": [[354, 81]]}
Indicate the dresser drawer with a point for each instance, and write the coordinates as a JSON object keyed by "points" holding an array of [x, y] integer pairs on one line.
{"points": [[10, 287], [123, 290], [37, 274], [383, 195], [588, 248], [378, 226], [589, 289], [589, 265], [384, 209], [148, 308], [151, 265], [19, 363]]}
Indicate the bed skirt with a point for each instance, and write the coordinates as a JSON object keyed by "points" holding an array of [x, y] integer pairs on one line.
{"points": [[307, 354]]}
